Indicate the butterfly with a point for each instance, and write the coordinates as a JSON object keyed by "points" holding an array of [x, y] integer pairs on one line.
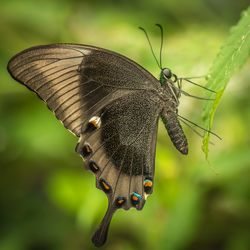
{"points": [[112, 105]]}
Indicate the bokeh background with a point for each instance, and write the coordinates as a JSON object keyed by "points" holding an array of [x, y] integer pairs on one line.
{"points": [[49, 202]]}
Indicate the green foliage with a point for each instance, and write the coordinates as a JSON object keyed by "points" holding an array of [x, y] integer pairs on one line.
{"points": [[232, 56]]}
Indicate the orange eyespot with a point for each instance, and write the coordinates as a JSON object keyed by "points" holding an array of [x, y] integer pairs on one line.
{"points": [[148, 184], [105, 186], [135, 198], [120, 201], [86, 150], [93, 166]]}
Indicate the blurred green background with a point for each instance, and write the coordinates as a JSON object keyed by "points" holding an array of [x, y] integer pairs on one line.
{"points": [[47, 199]]}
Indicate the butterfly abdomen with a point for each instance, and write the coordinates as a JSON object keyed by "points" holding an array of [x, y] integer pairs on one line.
{"points": [[175, 131]]}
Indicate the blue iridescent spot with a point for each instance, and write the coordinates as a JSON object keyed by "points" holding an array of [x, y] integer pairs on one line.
{"points": [[137, 195], [135, 198]]}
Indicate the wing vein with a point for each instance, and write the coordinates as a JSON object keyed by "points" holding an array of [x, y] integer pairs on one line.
{"points": [[130, 144], [120, 171], [78, 100], [35, 68], [88, 111], [64, 86], [55, 72], [17, 66], [73, 112], [55, 84]]}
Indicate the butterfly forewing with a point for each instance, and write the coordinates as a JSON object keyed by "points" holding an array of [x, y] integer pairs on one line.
{"points": [[52, 72], [71, 79]]}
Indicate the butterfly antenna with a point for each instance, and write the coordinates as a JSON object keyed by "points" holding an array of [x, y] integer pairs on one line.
{"points": [[151, 48], [162, 36], [198, 126], [196, 84]]}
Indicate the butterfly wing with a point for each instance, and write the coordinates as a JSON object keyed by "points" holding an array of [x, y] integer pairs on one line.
{"points": [[121, 152], [75, 80], [108, 101]]}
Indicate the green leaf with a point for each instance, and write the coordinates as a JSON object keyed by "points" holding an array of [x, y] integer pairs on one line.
{"points": [[233, 54]]}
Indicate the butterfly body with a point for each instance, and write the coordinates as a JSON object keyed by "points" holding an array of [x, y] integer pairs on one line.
{"points": [[113, 105]]}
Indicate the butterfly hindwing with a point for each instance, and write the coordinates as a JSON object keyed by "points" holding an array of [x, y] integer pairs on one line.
{"points": [[123, 143], [120, 150]]}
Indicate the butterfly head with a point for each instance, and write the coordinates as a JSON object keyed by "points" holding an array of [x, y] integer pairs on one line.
{"points": [[166, 75], [169, 81]]}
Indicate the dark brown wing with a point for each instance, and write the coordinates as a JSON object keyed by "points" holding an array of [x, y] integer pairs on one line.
{"points": [[76, 80], [119, 148], [110, 102]]}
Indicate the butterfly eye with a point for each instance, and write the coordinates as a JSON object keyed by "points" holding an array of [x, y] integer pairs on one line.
{"points": [[167, 73]]}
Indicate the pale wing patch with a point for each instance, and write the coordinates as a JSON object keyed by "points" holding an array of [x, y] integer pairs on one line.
{"points": [[53, 73]]}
